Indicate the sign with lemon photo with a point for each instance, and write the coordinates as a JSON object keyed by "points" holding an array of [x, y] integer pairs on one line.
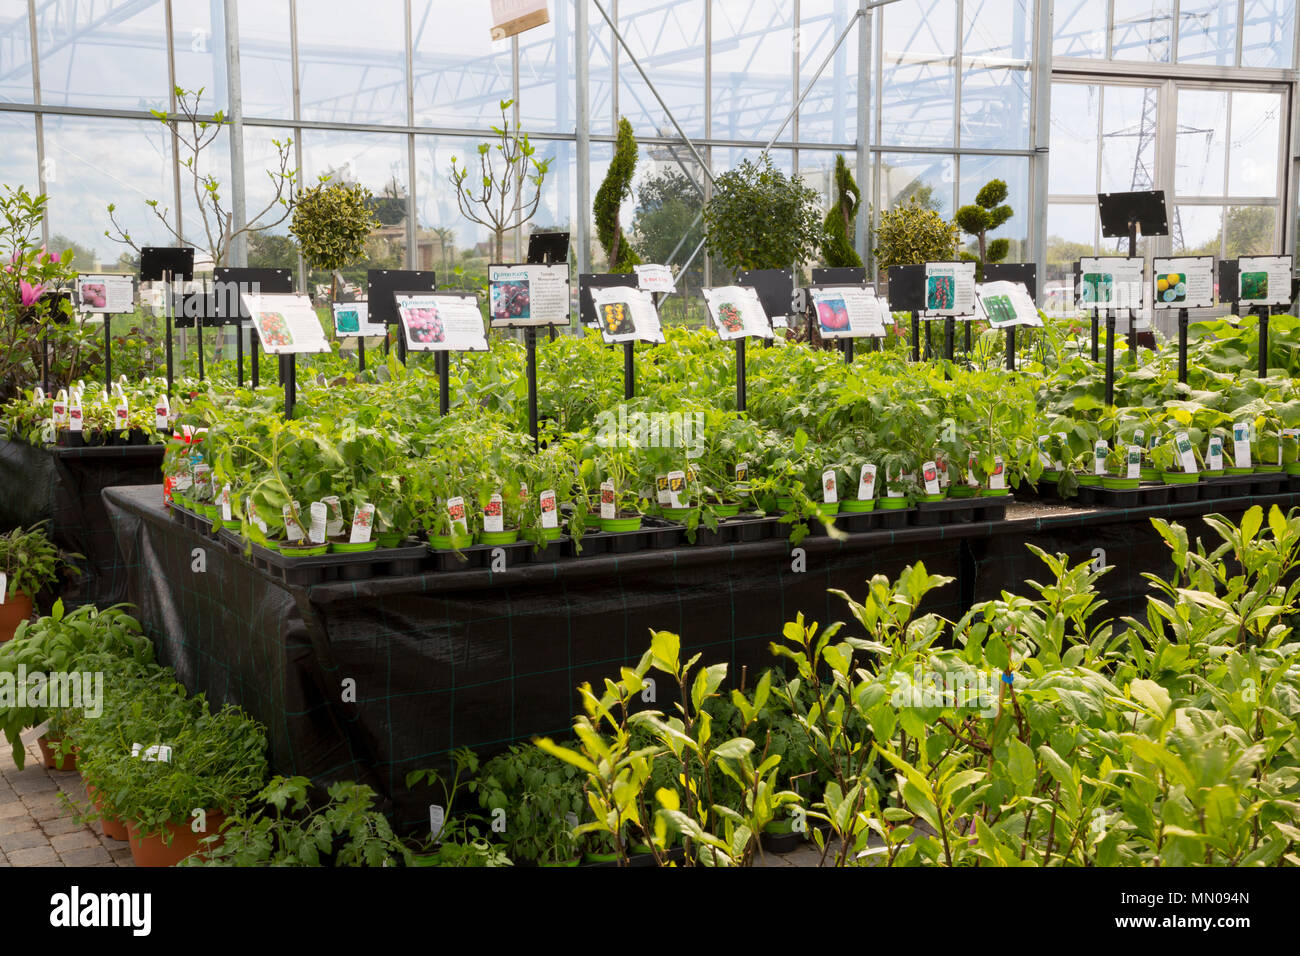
{"points": [[1183, 283]]}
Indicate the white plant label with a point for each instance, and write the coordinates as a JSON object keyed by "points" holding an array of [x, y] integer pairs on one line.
{"points": [[203, 481], [971, 480], [1134, 461], [930, 474], [362, 523], [1241, 444], [60, 407], [1184, 446], [867, 483], [890, 490], [550, 513], [654, 278], [75, 418], [493, 519], [319, 521], [742, 476], [48, 432], [226, 514], [662, 493], [38, 395], [162, 414], [292, 529], [1044, 458], [944, 477], [4, 586], [998, 479], [1214, 457], [1099, 452], [830, 493], [608, 508], [1060, 465], [1138, 437], [123, 413], [676, 486], [456, 511]]}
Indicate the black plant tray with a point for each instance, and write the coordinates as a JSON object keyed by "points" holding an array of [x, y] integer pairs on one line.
{"points": [[894, 517], [549, 552], [1117, 498], [593, 542], [1187, 492], [780, 843], [1268, 482], [991, 508], [1228, 486], [658, 533], [410, 558], [947, 511], [856, 522], [1155, 493], [747, 527], [1088, 495], [1293, 482]]}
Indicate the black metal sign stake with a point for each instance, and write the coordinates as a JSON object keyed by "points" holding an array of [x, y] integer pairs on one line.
{"points": [[254, 359], [740, 375], [361, 354], [167, 313], [949, 337], [108, 351], [1110, 358], [847, 345], [1263, 312], [1132, 338], [916, 337], [45, 364], [444, 382], [929, 345], [239, 353], [530, 343], [629, 370], [967, 325], [198, 328], [1096, 337], [1182, 346], [289, 372], [1011, 348]]}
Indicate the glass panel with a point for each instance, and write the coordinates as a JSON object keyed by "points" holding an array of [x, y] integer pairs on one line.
{"points": [[89, 176], [663, 211], [108, 55], [546, 73], [817, 167], [829, 111], [601, 154], [1197, 230], [349, 75], [15, 53], [1143, 31], [1128, 154], [461, 75], [927, 178], [1202, 123], [272, 248], [1256, 125], [998, 28], [918, 86], [1079, 28], [1249, 231], [1268, 33], [265, 59], [1071, 233], [1207, 32], [1014, 171], [204, 235], [995, 108], [600, 75], [668, 41], [18, 158], [447, 240], [753, 70], [199, 50], [1072, 164]]}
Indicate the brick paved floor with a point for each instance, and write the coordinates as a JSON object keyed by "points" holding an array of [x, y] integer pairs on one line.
{"points": [[36, 826]]}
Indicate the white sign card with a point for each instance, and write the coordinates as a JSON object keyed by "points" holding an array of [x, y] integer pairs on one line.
{"points": [[352, 319], [1183, 283], [1110, 282], [1006, 304], [286, 323], [1264, 280], [625, 314], [848, 312], [736, 312], [529, 295], [106, 294], [515, 16], [950, 288], [441, 323], [654, 278]]}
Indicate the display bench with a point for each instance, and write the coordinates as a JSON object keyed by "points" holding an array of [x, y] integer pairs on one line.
{"points": [[370, 679], [64, 486]]}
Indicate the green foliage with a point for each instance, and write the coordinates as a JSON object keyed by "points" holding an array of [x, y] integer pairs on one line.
{"points": [[616, 187], [838, 228], [987, 214], [911, 234], [759, 218], [332, 224], [30, 560]]}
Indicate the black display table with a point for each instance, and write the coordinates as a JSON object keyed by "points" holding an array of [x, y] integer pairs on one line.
{"points": [[371, 679], [64, 486]]}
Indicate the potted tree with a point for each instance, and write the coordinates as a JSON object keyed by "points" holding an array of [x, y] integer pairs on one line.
{"points": [[29, 562]]}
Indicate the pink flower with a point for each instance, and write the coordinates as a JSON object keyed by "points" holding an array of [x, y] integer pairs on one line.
{"points": [[30, 294]]}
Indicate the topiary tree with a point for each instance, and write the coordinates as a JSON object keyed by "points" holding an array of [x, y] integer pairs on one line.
{"points": [[332, 224], [837, 238], [982, 218], [616, 187], [759, 218], [911, 234]]}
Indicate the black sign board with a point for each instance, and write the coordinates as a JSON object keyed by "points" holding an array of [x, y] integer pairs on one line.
{"points": [[228, 283], [548, 248], [177, 261], [381, 284], [841, 275], [599, 280], [1026, 272], [907, 288], [775, 288], [1120, 212]]}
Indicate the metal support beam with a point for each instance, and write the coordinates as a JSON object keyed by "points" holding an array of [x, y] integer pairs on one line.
{"points": [[238, 196], [1039, 136], [581, 64], [863, 228]]}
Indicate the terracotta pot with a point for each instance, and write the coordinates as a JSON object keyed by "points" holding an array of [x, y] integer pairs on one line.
{"points": [[152, 851], [114, 829], [50, 753], [13, 612]]}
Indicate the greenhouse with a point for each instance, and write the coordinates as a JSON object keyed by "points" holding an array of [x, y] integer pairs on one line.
{"points": [[651, 433]]}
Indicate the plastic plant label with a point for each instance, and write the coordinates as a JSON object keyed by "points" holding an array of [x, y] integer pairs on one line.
{"points": [[1044, 458], [523, 491], [48, 432], [1065, 439], [437, 817], [608, 508], [292, 529], [157, 753], [334, 525], [550, 513], [830, 492], [691, 474], [162, 414], [493, 519], [38, 395], [122, 414], [319, 519], [893, 489], [1214, 457], [256, 518], [4, 586], [362, 523], [226, 514], [998, 479], [1134, 461], [1241, 444], [661, 490], [1138, 436], [945, 478], [203, 481], [1184, 446], [1099, 452], [867, 483], [456, 511], [60, 407], [75, 419], [930, 474], [742, 476], [676, 486], [971, 480]]}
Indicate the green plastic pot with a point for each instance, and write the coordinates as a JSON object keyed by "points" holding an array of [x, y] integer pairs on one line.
{"points": [[941, 496], [962, 491], [677, 514], [551, 534], [785, 504], [1148, 474], [726, 511], [620, 525], [1051, 477], [309, 551], [1120, 484], [829, 509], [498, 537], [857, 505], [1239, 471], [231, 525], [446, 542], [574, 862], [892, 504], [994, 492], [347, 547], [1269, 469], [1180, 477], [1293, 468], [389, 539], [1089, 481], [211, 512], [600, 857]]}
